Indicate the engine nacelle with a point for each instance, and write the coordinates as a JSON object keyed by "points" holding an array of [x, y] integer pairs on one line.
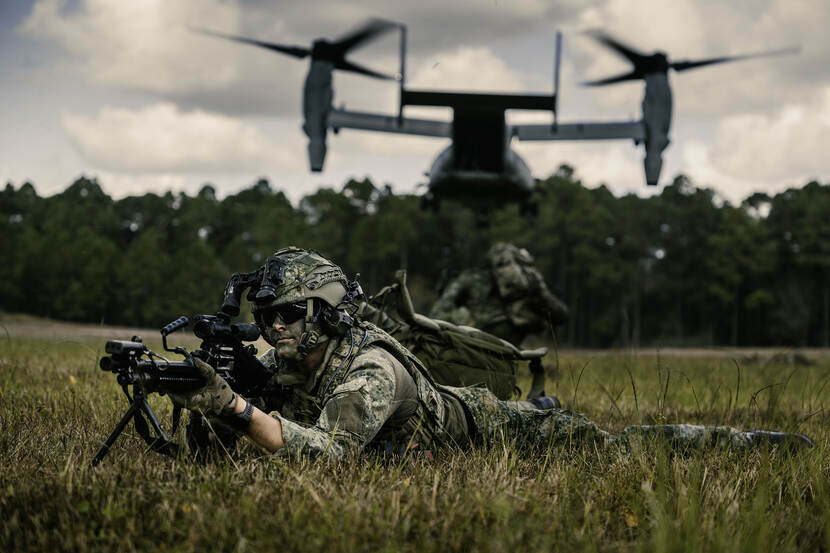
{"points": [[318, 95], [657, 111]]}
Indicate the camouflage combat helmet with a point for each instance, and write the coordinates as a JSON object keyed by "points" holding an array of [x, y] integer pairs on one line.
{"points": [[293, 274], [510, 268], [502, 252]]}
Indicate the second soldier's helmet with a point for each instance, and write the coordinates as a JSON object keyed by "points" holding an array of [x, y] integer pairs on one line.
{"points": [[510, 267]]}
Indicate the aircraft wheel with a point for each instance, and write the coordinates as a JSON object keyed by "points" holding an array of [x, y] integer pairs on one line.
{"points": [[430, 203], [529, 209]]}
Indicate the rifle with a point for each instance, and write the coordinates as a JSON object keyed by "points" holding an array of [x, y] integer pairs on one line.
{"points": [[147, 372], [222, 347]]}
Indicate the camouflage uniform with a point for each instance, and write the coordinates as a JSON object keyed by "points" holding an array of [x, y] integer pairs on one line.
{"points": [[494, 419], [509, 298], [370, 393]]}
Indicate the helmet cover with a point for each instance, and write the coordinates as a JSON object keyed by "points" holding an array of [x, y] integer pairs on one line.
{"points": [[511, 267], [293, 274]]}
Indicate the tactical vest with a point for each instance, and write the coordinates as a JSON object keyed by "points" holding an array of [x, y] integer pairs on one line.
{"points": [[423, 429]]}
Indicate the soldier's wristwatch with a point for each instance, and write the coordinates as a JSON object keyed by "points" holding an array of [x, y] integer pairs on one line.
{"points": [[241, 421]]}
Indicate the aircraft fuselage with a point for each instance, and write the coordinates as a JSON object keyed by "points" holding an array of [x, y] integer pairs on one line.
{"points": [[478, 186]]}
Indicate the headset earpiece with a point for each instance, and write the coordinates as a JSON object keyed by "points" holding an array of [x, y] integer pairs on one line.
{"points": [[336, 321]]}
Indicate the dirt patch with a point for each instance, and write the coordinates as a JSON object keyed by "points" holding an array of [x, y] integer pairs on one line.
{"points": [[29, 327], [761, 355], [26, 326]]}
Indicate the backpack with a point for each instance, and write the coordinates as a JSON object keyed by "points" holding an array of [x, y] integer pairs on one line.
{"points": [[455, 355]]}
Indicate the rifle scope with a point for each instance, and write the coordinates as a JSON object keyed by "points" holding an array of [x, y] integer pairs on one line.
{"points": [[213, 327]]}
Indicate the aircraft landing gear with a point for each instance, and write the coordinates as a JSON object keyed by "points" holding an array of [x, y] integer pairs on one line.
{"points": [[529, 209], [430, 202]]}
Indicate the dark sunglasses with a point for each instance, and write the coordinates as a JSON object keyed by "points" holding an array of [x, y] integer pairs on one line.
{"points": [[288, 313]]}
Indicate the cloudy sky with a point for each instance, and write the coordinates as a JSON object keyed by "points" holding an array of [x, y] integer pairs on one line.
{"points": [[125, 92]]}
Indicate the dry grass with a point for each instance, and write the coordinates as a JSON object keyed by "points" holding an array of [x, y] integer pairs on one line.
{"points": [[56, 408]]}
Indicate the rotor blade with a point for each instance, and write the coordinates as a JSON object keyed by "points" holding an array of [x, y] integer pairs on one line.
{"points": [[364, 32], [345, 65], [625, 51], [686, 64], [296, 51], [630, 76]]}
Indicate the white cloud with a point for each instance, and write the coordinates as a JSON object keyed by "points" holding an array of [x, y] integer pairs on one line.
{"points": [[468, 69], [619, 165], [160, 138], [787, 145], [694, 161], [141, 45], [761, 152], [147, 45]]}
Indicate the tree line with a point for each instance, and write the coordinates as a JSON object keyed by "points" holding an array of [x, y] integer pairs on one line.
{"points": [[678, 268]]}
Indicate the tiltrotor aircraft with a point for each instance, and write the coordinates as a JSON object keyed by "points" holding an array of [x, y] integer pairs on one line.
{"points": [[479, 167]]}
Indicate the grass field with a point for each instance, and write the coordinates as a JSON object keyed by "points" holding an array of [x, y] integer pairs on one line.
{"points": [[56, 408]]}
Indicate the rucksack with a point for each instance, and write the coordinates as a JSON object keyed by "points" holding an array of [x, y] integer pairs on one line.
{"points": [[454, 355]]}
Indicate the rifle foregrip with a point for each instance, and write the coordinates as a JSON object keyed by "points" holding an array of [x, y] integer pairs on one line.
{"points": [[181, 322]]}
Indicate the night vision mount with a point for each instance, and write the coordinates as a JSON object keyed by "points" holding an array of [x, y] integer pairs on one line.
{"points": [[262, 287], [261, 284]]}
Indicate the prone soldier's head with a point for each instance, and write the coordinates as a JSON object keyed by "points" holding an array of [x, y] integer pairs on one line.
{"points": [[302, 299], [509, 266]]}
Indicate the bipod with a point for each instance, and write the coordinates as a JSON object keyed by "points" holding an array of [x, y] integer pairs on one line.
{"points": [[139, 407]]}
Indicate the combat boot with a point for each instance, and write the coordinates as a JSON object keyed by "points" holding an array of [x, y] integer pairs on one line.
{"points": [[537, 404], [546, 402], [537, 387], [769, 438]]}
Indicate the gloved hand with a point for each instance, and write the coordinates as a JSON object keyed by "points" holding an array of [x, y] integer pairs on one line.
{"points": [[214, 398]]}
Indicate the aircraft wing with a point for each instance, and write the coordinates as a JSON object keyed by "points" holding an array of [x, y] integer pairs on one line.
{"points": [[342, 119], [634, 130]]}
